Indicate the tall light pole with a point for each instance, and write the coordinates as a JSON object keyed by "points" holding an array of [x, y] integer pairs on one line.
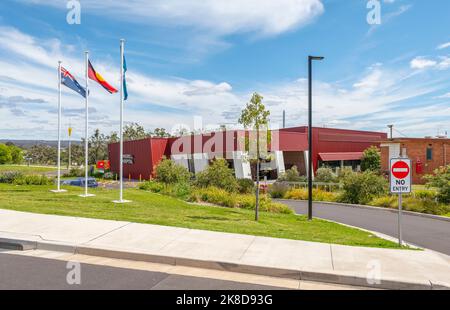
{"points": [[310, 149]]}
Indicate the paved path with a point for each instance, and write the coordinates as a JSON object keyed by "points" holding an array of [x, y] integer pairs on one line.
{"points": [[426, 232], [229, 252]]}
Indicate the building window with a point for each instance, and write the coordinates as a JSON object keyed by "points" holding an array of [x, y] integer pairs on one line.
{"points": [[429, 153]]}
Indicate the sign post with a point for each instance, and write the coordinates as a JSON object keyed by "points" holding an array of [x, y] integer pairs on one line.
{"points": [[400, 182]]}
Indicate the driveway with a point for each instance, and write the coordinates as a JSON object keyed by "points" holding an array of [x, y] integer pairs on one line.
{"points": [[426, 232]]}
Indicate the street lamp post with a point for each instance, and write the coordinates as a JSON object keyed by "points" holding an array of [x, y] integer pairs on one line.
{"points": [[310, 149]]}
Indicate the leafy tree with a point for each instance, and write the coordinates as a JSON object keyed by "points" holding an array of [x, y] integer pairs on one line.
{"points": [[16, 154], [98, 147], [255, 116], [371, 160], [160, 132], [42, 154], [5, 154], [134, 131], [217, 174], [441, 181], [113, 138]]}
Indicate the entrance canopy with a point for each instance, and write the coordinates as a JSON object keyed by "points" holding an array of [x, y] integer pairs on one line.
{"points": [[341, 156]]}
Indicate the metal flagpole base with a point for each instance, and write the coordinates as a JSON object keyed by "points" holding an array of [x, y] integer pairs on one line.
{"points": [[58, 190], [86, 195], [121, 201]]}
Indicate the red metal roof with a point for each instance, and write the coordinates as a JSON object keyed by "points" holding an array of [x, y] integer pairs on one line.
{"points": [[340, 156]]}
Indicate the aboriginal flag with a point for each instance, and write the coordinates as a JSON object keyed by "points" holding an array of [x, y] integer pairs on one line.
{"points": [[95, 76]]}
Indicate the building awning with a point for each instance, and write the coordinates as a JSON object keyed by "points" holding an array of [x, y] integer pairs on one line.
{"points": [[341, 156]]}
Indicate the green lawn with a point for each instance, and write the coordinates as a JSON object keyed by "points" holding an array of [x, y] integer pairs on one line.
{"points": [[27, 169], [162, 210]]}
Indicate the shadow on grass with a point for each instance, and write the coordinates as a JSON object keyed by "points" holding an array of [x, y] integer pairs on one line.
{"points": [[213, 218]]}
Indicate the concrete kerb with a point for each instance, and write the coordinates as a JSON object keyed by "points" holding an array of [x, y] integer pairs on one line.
{"points": [[432, 216], [335, 278]]}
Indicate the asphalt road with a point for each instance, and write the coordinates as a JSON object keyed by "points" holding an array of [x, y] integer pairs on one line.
{"points": [[425, 232], [34, 273]]}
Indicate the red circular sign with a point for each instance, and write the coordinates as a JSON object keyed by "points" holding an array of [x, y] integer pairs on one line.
{"points": [[400, 170]]}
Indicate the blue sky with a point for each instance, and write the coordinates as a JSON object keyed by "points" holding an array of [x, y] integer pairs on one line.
{"points": [[205, 58]]}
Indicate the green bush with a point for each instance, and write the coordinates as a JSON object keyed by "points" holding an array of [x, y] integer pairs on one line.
{"points": [[361, 188], [10, 176], [343, 173], [278, 189], [152, 186], [218, 175], [169, 172], [16, 154], [325, 175], [245, 186], [33, 180], [441, 181], [371, 160], [424, 194], [181, 190], [291, 175]]}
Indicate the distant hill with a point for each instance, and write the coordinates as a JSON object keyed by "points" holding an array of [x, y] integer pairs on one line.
{"points": [[29, 143]]}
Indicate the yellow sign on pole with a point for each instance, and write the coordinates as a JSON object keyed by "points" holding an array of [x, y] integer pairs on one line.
{"points": [[70, 131]]}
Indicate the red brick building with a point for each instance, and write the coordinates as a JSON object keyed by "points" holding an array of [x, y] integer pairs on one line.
{"points": [[426, 154]]}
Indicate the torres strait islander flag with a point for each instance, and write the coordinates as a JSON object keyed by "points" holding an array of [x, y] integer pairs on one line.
{"points": [[95, 76]]}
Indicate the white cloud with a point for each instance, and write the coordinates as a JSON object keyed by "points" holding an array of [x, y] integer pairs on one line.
{"points": [[444, 96], [263, 17], [443, 46], [28, 97], [422, 63]]}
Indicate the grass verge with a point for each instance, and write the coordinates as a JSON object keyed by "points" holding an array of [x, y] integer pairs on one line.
{"points": [[158, 209], [26, 169]]}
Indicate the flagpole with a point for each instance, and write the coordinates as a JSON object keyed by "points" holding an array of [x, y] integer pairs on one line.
{"points": [[121, 200], [86, 130], [58, 187]]}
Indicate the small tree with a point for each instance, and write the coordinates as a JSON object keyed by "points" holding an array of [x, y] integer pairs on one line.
{"points": [[169, 172], [256, 117], [219, 175], [441, 181], [291, 175], [371, 160], [5, 154]]}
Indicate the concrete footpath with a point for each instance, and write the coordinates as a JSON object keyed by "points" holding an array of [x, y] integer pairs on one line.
{"points": [[308, 261]]}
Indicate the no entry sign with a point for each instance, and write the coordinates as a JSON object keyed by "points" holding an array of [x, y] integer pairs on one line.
{"points": [[400, 175]]}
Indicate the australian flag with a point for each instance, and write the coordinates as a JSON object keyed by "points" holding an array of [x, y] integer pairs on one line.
{"points": [[69, 80]]}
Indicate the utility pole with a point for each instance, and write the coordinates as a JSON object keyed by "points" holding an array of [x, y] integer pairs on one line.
{"points": [[390, 130]]}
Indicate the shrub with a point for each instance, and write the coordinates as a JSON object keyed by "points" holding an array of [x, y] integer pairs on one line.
{"points": [[318, 195], [181, 190], [216, 196], [33, 180], [291, 175], [16, 154], [109, 175], [218, 175], [343, 173], [10, 176], [424, 194], [441, 181], [325, 175], [361, 188], [245, 186], [410, 203], [371, 160], [278, 189], [169, 172], [151, 186], [74, 172]]}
